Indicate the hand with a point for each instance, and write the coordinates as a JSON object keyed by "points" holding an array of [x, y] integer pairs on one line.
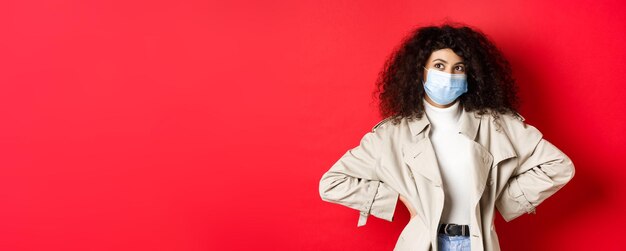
{"points": [[407, 204]]}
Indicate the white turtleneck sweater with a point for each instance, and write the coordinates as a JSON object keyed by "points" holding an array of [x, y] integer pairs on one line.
{"points": [[453, 155]]}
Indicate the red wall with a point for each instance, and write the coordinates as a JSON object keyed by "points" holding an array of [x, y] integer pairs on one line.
{"points": [[195, 125]]}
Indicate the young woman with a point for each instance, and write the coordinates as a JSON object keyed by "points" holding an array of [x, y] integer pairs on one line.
{"points": [[452, 146]]}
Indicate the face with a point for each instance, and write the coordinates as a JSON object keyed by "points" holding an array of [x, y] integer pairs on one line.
{"points": [[444, 60]]}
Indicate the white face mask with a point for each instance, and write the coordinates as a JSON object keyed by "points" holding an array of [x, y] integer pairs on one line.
{"points": [[444, 88]]}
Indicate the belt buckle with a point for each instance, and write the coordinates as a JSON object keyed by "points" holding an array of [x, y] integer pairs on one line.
{"points": [[445, 229]]}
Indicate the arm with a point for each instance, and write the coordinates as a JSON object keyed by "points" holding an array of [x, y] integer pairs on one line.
{"points": [[352, 181], [543, 170]]}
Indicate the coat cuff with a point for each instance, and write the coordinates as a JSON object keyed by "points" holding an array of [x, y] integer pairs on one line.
{"points": [[381, 203], [511, 211]]}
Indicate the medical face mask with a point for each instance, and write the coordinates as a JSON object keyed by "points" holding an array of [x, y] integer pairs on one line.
{"points": [[443, 88]]}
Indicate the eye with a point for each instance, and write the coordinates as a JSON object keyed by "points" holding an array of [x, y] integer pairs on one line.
{"points": [[460, 68], [439, 64]]}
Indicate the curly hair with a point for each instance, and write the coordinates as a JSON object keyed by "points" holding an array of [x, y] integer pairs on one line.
{"points": [[491, 86]]}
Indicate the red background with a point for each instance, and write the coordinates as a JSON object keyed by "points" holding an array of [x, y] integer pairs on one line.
{"points": [[195, 125]]}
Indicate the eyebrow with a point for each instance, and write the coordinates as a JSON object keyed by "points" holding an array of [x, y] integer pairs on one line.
{"points": [[447, 62]]}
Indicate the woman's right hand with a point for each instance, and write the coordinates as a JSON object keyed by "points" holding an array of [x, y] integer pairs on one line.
{"points": [[407, 204]]}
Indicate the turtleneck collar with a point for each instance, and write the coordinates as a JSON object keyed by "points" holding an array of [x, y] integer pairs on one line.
{"points": [[446, 117]]}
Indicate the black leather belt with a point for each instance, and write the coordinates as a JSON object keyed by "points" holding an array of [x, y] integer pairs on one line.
{"points": [[454, 229]]}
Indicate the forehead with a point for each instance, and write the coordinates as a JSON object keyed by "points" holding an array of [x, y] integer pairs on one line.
{"points": [[446, 54]]}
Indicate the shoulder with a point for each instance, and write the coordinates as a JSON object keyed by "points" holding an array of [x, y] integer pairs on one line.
{"points": [[515, 122], [381, 123], [516, 128], [505, 120], [391, 124]]}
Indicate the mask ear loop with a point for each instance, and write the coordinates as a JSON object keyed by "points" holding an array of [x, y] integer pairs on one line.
{"points": [[423, 83]]}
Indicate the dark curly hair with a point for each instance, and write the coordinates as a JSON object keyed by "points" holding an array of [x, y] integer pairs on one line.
{"points": [[491, 86]]}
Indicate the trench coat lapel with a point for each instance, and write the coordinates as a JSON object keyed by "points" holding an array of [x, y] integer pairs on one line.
{"points": [[421, 158], [486, 152]]}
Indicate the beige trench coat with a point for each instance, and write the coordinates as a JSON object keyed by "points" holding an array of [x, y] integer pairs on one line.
{"points": [[515, 170]]}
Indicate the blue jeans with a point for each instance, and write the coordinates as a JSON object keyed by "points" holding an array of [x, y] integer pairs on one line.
{"points": [[453, 243]]}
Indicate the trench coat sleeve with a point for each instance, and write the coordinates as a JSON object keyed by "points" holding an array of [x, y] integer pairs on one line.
{"points": [[352, 181], [542, 170]]}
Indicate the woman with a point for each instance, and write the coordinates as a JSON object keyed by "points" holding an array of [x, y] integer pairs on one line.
{"points": [[452, 148]]}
